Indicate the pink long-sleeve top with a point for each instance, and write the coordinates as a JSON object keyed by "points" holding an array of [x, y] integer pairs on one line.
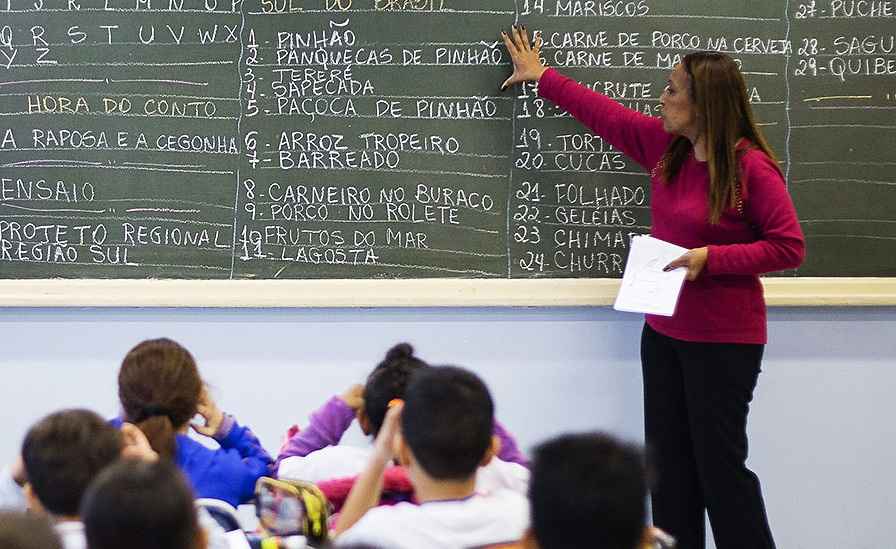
{"points": [[725, 304]]}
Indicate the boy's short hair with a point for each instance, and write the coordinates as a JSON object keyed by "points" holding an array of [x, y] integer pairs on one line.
{"points": [[27, 531], [588, 487], [388, 381], [447, 421], [140, 505], [62, 454]]}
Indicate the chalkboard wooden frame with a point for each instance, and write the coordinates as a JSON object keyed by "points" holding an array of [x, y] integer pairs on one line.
{"points": [[802, 292]]}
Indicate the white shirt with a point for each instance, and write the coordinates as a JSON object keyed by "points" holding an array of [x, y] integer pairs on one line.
{"points": [[479, 520], [328, 463], [502, 475], [343, 461], [72, 534]]}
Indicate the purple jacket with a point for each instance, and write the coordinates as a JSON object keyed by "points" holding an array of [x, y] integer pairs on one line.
{"points": [[329, 423]]}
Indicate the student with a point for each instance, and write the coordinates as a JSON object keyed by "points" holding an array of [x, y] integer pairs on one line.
{"points": [[442, 434], [160, 391], [314, 454], [588, 490], [141, 505], [21, 531], [61, 454]]}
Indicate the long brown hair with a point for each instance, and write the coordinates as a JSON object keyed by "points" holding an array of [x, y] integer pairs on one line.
{"points": [[159, 388], [719, 94]]}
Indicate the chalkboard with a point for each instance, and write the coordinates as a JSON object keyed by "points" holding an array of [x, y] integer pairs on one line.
{"points": [[228, 139]]}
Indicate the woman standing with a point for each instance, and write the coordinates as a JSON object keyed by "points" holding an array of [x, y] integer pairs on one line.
{"points": [[717, 190]]}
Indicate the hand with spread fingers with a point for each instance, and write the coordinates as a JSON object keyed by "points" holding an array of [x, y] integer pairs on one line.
{"points": [[526, 57], [694, 260]]}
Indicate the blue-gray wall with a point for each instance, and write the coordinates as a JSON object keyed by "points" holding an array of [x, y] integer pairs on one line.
{"points": [[822, 438]]}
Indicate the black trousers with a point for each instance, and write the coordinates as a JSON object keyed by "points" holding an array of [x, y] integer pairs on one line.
{"points": [[696, 399]]}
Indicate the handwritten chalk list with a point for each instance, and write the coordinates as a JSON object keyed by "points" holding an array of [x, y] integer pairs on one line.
{"points": [[368, 138]]}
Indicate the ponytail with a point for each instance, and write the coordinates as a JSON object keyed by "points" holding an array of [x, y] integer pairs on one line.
{"points": [[161, 435], [388, 381], [159, 388]]}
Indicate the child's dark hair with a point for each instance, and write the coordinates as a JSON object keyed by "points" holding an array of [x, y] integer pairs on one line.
{"points": [[159, 388], [140, 505], [27, 531], [388, 381], [588, 487], [62, 454], [448, 421]]}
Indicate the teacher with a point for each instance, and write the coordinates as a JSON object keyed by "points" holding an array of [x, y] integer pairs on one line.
{"points": [[717, 190]]}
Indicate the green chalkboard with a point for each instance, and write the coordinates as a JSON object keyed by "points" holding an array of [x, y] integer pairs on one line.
{"points": [[368, 139]]}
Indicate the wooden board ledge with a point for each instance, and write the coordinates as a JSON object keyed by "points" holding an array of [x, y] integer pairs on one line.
{"points": [[401, 293]]}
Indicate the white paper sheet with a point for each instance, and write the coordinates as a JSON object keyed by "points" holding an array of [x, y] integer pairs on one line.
{"points": [[645, 287]]}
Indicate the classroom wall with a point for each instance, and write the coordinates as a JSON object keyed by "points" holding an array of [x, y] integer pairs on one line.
{"points": [[821, 431]]}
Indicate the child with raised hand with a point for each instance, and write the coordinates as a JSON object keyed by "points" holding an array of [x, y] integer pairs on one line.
{"points": [[314, 454], [442, 433], [161, 391]]}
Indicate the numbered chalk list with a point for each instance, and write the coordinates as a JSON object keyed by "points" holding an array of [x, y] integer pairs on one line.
{"points": [[368, 138]]}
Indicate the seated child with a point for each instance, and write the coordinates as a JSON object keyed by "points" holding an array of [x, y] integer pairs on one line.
{"points": [[588, 490], [314, 454], [160, 392], [442, 433], [139, 505], [61, 455], [21, 531]]}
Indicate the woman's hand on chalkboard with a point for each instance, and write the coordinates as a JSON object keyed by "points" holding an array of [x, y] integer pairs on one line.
{"points": [[213, 416], [526, 58], [694, 260]]}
